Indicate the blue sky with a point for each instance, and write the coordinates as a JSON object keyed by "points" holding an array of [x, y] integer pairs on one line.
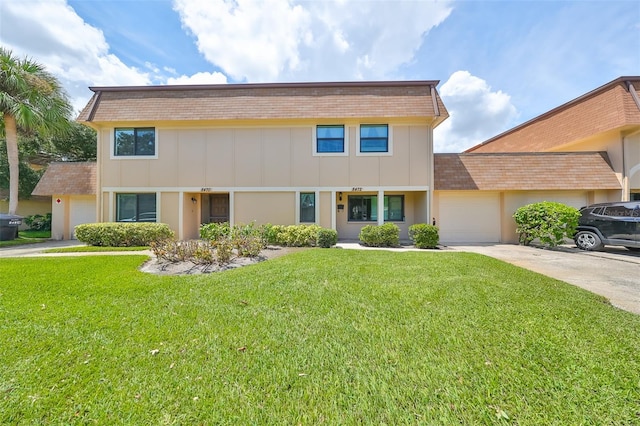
{"points": [[499, 63]]}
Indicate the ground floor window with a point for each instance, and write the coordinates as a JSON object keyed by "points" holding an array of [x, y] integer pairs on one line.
{"points": [[136, 207], [365, 208], [307, 207], [635, 196]]}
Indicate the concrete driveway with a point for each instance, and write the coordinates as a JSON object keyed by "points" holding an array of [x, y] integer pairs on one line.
{"points": [[613, 273]]}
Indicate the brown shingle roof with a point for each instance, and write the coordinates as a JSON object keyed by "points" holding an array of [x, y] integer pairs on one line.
{"points": [[265, 101], [524, 171], [68, 179], [609, 107]]}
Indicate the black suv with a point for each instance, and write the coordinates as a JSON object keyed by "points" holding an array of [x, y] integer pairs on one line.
{"points": [[614, 224]]}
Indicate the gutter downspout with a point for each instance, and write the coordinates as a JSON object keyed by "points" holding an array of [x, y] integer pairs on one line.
{"points": [[99, 196], [626, 192], [436, 110]]}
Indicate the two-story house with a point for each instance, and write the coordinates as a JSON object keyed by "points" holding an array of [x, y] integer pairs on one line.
{"points": [[341, 155]]}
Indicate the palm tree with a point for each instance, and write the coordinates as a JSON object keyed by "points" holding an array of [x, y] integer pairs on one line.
{"points": [[31, 99]]}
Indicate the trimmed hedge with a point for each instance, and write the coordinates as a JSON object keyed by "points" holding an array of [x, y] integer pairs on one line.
{"points": [[387, 235], [122, 234], [327, 238], [424, 236], [268, 234]]}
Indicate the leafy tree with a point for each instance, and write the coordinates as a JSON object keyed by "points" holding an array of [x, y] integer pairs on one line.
{"points": [[79, 143], [31, 99]]}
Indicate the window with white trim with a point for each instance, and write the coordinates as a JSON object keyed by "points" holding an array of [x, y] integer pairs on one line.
{"points": [[330, 139], [136, 207], [307, 207], [364, 208], [374, 138], [134, 141]]}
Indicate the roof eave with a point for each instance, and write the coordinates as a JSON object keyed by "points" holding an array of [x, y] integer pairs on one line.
{"points": [[620, 80], [393, 83]]}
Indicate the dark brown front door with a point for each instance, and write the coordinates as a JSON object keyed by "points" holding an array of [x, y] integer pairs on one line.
{"points": [[219, 208]]}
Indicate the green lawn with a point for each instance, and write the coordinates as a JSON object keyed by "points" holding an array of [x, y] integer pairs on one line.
{"points": [[323, 336], [27, 237]]}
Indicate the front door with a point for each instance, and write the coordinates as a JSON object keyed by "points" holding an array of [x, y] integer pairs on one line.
{"points": [[219, 208]]}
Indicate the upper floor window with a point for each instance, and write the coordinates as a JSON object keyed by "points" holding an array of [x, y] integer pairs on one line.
{"points": [[135, 141], [374, 138], [330, 139], [136, 207]]}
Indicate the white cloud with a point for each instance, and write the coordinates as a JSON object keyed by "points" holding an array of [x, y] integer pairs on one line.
{"points": [[246, 38], [199, 78], [51, 32], [309, 40], [476, 113]]}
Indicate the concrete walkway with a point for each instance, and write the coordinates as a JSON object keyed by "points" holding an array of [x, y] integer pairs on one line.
{"points": [[39, 249], [613, 273]]}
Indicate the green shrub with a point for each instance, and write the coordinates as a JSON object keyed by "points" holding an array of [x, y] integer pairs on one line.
{"points": [[120, 234], [270, 233], [326, 238], [250, 239], [38, 222], [298, 235], [387, 235], [224, 251], [424, 236], [247, 245], [550, 222], [214, 231]]}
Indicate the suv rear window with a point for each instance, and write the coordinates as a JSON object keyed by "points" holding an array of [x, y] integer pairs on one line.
{"points": [[619, 211]]}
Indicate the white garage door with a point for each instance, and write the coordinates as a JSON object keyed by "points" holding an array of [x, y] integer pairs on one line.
{"points": [[81, 210], [469, 217]]}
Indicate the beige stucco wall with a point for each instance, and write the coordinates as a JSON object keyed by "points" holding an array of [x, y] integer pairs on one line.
{"points": [[60, 217], [28, 208], [325, 208], [266, 157], [169, 211], [72, 210], [277, 208], [632, 151], [191, 216]]}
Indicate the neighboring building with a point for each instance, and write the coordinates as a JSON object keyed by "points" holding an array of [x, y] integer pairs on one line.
{"points": [[71, 189], [605, 119], [32, 206], [341, 155], [477, 194]]}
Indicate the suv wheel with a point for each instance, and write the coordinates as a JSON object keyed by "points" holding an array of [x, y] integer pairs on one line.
{"points": [[587, 240]]}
